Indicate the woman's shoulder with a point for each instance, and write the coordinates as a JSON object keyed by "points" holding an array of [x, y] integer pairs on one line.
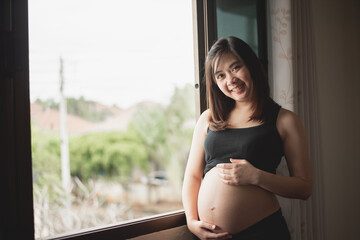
{"points": [[287, 122], [286, 116], [203, 121], [205, 114]]}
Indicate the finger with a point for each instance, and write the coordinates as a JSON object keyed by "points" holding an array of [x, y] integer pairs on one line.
{"points": [[225, 171], [237, 160], [208, 226], [224, 165], [228, 182], [224, 176]]}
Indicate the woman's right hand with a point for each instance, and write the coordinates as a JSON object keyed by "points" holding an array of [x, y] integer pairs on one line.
{"points": [[204, 231]]}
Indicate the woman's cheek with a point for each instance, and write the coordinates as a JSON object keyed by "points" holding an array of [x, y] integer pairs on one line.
{"points": [[224, 89]]}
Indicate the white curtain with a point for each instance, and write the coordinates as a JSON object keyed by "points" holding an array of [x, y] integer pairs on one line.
{"points": [[292, 73]]}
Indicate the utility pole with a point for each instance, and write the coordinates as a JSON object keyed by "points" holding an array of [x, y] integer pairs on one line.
{"points": [[65, 162], [65, 159]]}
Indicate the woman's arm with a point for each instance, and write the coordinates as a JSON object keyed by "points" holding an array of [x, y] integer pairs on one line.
{"points": [[192, 181], [298, 184], [194, 171]]}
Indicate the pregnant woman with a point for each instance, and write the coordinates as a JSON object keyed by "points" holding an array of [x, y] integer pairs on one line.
{"points": [[230, 180]]}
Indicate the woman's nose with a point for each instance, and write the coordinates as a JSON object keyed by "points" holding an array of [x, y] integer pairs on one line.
{"points": [[231, 80]]}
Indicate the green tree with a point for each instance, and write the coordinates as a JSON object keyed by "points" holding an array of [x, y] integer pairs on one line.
{"points": [[149, 122], [111, 154], [46, 163], [158, 136], [165, 132], [49, 103], [180, 122], [79, 107], [181, 107], [86, 109]]}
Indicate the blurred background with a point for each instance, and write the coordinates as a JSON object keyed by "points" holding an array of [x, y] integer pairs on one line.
{"points": [[112, 109]]}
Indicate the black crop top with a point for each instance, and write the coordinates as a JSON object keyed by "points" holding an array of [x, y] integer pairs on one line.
{"points": [[260, 145]]}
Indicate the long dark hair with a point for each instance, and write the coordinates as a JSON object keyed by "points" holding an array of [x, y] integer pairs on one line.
{"points": [[220, 105]]}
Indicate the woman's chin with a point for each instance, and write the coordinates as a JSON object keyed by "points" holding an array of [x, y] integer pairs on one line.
{"points": [[240, 97]]}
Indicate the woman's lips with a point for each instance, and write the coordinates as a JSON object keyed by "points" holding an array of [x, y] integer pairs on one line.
{"points": [[239, 88]]}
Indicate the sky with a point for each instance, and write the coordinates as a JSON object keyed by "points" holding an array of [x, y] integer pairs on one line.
{"points": [[114, 51]]}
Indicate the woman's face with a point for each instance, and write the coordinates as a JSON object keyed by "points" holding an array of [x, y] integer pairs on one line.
{"points": [[233, 78]]}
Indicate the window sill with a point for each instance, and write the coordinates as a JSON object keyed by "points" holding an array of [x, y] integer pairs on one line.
{"points": [[129, 229]]}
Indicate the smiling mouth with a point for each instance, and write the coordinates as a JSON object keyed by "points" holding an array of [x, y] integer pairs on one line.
{"points": [[238, 88]]}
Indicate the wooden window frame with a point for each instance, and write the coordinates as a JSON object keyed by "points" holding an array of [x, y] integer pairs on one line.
{"points": [[129, 229], [205, 34], [17, 221]]}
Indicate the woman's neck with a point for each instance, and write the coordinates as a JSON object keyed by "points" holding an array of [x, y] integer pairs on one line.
{"points": [[243, 107]]}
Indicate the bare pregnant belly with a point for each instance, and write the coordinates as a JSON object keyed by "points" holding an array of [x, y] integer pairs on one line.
{"points": [[233, 208]]}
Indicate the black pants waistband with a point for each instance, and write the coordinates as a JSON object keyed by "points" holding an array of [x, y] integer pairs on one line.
{"points": [[271, 227]]}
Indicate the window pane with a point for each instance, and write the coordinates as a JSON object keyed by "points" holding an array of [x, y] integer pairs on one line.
{"points": [[237, 18], [126, 71]]}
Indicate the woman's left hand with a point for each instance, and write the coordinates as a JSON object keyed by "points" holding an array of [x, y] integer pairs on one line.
{"points": [[238, 172]]}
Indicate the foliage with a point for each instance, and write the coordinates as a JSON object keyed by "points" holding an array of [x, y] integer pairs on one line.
{"points": [[79, 107], [158, 138], [45, 147], [48, 103], [86, 109], [112, 154], [181, 119], [181, 107], [165, 133], [149, 123]]}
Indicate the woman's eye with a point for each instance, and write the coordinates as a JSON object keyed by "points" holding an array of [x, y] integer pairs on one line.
{"points": [[220, 76], [235, 68]]}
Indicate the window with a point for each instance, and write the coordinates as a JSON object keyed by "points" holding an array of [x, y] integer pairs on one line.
{"points": [[222, 18], [243, 19], [124, 71], [237, 19], [17, 205]]}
